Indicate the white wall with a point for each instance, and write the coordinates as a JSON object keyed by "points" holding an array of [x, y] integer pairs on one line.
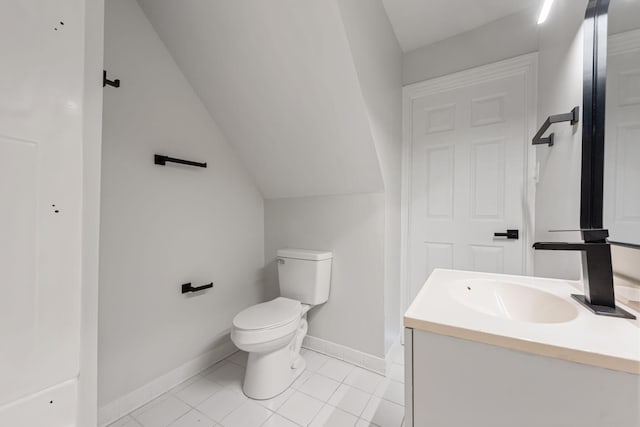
{"points": [[363, 310], [504, 38], [279, 79], [626, 262], [352, 226], [559, 90], [378, 60], [163, 226]]}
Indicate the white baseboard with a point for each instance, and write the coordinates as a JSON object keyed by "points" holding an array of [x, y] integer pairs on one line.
{"points": [[133, 400], [55, 406], [348, 354]]}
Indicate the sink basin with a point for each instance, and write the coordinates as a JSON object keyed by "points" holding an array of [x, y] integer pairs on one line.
{"points": [[512, 301]]}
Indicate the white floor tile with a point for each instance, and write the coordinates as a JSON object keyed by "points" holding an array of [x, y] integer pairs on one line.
{"points": [[188, 381], [314, 359], [304, 376], [125, 422], [335, 369], [250, 414], [300, 408], [196, 391], [391, 390], [227, 374], [163, 412], [365, 423], [333, 417], [279, 421], [396, 372], [364, 380], [383, 413], [350, 399], [150, 404], [276, 402], [213, 367], [193, 418], [221, 404], [239, 358], [319, 387]]}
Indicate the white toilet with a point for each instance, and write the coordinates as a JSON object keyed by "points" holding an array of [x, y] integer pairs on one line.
{"points": [[272, 332]]}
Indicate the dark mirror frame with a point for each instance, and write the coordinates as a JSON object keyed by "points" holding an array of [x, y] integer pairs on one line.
{"points": [[593, 116]]}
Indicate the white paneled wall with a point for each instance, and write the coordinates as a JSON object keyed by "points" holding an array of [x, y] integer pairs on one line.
{"points": [[41, 188]]}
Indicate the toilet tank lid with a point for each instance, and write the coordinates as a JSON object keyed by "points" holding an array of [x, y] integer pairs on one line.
{"points": [[304, 254]]}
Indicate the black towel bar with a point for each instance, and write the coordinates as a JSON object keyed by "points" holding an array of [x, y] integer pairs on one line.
{"points": [[187, 287], [573, 116], [162, 160]]}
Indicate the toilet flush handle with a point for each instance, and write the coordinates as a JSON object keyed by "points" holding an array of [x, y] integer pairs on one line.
{"points": [[280, 261]]}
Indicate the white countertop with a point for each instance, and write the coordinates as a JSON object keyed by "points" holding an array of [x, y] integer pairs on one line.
{"points": [[607, 342]]}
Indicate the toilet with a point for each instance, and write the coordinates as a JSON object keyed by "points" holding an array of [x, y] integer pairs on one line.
{"points": [[272, 332]]}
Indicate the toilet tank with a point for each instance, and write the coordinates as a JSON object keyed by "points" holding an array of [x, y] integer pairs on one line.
{"points": [[304, 275]]}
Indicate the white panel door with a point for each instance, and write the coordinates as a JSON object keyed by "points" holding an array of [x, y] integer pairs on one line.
{"points": [[622, 146], [41, 78], [467, 179]]}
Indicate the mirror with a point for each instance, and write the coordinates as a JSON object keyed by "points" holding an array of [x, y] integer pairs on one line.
{"points": [[621, 197]]}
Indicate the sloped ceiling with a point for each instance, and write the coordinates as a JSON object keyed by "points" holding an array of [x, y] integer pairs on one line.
{"points": [[419, 23], [279, 80]]}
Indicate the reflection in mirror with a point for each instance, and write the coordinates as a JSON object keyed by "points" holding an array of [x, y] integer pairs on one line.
{"points": [[622, 130]]}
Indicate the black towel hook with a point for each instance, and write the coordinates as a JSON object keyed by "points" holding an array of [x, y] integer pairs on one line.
{"points": [[106, 81]]}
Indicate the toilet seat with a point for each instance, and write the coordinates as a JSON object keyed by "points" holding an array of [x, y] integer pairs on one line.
{"points": [[276, 313], [266, 325]]}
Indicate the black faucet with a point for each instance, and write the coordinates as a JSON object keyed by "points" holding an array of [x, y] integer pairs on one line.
{"points": [[597, 272]]}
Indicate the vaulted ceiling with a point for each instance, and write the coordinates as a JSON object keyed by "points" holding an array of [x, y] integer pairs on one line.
{"points": [[280, 81], [421, 22]]}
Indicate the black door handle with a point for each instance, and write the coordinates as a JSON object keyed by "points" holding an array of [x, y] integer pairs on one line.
{"points": [[510, 234]]}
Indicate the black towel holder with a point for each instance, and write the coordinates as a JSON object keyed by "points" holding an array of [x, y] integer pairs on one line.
{"points": [[573, 116], [187, 287], [162, 160]]}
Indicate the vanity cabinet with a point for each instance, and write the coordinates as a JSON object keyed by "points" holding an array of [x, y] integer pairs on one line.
{"points": [[452, 382], [488, 350]]}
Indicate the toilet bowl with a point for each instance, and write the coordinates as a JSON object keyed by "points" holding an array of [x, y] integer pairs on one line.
{"points": [[272, 332]]}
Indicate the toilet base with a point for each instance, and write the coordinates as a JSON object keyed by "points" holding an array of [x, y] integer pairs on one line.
{"points": [[269, 374]]}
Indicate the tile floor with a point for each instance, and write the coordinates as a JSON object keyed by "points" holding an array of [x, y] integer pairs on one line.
{"points": [[329, 392]]}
